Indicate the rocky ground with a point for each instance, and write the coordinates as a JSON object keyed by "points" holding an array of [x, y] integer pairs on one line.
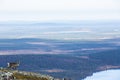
{"points": [[6, 74]]}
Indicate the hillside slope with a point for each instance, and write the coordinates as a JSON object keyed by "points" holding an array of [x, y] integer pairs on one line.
{"points": [[6, 74]]}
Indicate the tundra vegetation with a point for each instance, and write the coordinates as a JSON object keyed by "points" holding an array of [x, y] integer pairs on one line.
{"points": [[6, 74]]}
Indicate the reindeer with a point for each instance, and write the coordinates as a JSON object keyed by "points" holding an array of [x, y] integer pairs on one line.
{"points": [[13, 65]]}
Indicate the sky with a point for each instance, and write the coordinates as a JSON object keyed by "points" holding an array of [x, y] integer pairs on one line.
{"points": [[42, 10]]}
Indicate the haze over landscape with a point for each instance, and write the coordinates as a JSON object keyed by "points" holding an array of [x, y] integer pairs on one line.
{"points": [[66, 38], [79, 30], [60, 19]]}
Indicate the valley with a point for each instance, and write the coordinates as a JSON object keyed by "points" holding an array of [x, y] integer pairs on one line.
{"points": [[70, 59]]}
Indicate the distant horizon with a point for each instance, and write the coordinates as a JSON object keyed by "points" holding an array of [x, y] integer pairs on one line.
{"points": [[73, 30], [59, 21]]}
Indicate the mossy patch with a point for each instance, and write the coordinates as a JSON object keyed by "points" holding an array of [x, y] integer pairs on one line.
{"points": [[28, 77]]}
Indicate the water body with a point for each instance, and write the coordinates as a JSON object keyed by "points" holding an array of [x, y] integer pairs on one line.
{"points": [[105, 75]]}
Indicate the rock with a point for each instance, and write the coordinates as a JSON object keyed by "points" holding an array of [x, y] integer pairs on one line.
{"points": [[15, 75]]}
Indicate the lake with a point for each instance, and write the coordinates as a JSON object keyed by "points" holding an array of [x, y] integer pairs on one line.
{"points": [[105, 75]]}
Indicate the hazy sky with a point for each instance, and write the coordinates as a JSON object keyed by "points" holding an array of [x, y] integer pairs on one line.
{"points": [[59, 10]]}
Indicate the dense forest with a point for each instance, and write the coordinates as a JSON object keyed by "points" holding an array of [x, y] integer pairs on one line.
{"points": [[78, 60]]}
